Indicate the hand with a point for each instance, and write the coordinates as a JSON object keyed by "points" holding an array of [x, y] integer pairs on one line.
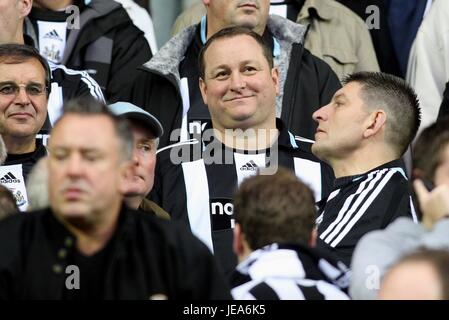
{"points": [[434, 205]]}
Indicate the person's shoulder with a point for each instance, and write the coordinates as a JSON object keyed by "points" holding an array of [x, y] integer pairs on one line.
{"points": [[15, 222], [16, 230]]}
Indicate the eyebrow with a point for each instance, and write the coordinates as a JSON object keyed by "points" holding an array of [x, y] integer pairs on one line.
{"points": [[13, 82], [225, 66], [340, 96], [82, 150], [145, 140]]}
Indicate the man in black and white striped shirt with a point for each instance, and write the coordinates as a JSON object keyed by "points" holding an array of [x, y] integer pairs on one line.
{"points": [[273, 238], [362, 134], [196, 183]]}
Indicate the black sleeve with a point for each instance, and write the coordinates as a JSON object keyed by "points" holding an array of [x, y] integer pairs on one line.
{"points": [[10, 244], [400, 203], [444, 108], [129, 52], [327, 81], [327, 180], [204, 280], [159, 96]]}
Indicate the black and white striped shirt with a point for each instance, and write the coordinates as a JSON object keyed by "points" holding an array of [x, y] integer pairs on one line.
{"points": [[67, 84], [289, 272], [201, 193], [362, 203]]}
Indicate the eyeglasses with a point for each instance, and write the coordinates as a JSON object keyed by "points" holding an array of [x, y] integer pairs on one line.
{"points": [[12, 89]]}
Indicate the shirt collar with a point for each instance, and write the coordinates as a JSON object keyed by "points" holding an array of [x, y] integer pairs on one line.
{"points": [[285, 139], [395, 164]]}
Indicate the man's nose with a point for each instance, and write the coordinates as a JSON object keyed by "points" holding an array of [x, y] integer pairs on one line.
{"points": [[22, 96], [237, 81], [320, 114]]}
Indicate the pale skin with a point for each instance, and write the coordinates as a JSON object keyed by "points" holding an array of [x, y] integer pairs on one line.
{"points": [[434, 205], [350, 137], [22, 115], [12, 14], [412, 280], [240, 89], [224, 13], [87, 178], [143, 164]]}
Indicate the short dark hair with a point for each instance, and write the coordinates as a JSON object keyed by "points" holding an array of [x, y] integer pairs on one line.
{"points": [[275, 208], [231, 32], [89, 106], [8, 203], [438, 259], [427, 152], [12, 53], [397, 99]]}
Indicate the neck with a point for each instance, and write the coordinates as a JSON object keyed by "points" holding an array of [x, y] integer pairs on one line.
{"points": [[92, 236], [19, 145], [213, 28], [134, 201], [245, 253], [249, 139], [361, 162], [13, 37], [54, 5]]}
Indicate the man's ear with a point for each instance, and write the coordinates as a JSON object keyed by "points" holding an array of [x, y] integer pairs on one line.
{"points": [[25, 7], [375, 122], [275, 77], [203, 89]]}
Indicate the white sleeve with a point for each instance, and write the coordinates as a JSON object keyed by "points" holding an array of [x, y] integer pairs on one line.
{"points": [[428, 67]]}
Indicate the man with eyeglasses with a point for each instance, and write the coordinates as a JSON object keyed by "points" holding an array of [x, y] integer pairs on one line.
{"points": [[24, 91]]}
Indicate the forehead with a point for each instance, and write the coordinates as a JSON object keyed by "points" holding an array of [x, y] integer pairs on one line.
{"points": [[140, 131], [235, 48], [30, 69], [84, 131], [351, 91]]}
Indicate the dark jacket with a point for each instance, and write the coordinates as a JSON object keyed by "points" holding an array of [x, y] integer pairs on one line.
{"points": [[107, 45], [308, 82], [148, 257]]}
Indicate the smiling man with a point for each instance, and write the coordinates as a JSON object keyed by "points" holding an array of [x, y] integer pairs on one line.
{"points": [[362, 134], [239, 85], [24, 91], [167, 85]]}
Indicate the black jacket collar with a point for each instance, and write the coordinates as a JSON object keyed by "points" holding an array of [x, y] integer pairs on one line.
{"points": [[344, 181]]}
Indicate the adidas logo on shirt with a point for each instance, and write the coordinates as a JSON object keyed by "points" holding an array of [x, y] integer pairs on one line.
{"points": [[249, 166], [9, 178], [52, 35]]}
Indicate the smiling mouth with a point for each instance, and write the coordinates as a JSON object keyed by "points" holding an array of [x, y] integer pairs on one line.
{"points": [[238, 98], [21, 115]]}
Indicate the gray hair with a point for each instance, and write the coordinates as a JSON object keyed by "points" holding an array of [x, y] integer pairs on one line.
{"points": [[37, 186], [88, 106], [3, 151]]}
